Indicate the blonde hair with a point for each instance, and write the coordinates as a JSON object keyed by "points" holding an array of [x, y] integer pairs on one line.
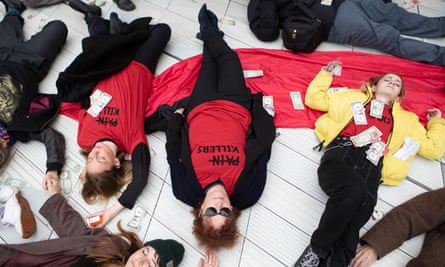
{"points": [[102, 186]]}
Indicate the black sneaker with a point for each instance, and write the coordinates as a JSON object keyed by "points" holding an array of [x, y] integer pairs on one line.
{"points": [[126, 5], [308, 259], [16, 4], [84, 8]]}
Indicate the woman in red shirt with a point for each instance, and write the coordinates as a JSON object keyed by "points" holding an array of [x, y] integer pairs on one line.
{"points": [[219, 145], [112, 78]]}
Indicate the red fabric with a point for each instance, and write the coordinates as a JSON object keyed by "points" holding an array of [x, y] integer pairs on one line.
{"points": [[285, 71], [217, 153], [122, 120]]}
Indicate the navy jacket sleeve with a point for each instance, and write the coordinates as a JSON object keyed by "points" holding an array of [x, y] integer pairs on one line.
{"points": [[140, 159], [252, 180], [184, 182]]}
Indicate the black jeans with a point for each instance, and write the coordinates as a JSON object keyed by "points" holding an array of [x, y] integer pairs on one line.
{"points": [[149, 52], [351, 182], [39, 51], [221, 75]]}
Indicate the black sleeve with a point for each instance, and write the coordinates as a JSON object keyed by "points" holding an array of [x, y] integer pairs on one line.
{"points": [[262, 132], [250, 184], [173, 135], [250, 187], [184, 182], [55, 147], [140, 159], [263, 19]]}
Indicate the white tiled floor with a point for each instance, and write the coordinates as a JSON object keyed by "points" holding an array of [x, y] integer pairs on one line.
{"points": [[276, 230]]}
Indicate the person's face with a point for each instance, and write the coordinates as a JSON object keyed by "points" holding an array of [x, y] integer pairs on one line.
{"points": [[217, 203], [145, 256], [102, 158], [388, 87], [3, 143]]}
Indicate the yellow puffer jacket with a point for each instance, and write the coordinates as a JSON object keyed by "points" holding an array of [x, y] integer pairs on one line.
{"points": [[406, 124]]}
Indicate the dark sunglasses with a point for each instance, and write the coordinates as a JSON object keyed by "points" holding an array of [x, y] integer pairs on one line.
{"points": [[210, 212]]}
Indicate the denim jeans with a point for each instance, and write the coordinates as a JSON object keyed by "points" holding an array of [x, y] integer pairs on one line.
{"points": [[351, 182], [378, 25]]}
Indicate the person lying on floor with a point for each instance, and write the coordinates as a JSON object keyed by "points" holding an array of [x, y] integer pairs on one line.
{"points": [[376, 24], [369, 139], [78, 245], [219, 145], [117, 64], [25, 114]]}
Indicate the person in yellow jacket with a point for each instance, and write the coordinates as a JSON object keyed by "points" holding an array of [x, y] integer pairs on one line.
{"points": [[368, 139]]}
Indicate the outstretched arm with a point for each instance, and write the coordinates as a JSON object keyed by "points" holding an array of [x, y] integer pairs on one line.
{"points": [[432, 144], [55, 151], [55, 147], [61, 216], [419, 215]]}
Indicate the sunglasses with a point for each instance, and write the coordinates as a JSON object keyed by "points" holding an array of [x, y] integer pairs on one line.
{"points": [[210, 212]]}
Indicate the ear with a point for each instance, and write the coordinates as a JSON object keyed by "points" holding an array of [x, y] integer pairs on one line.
{"points": [[117, 163]]}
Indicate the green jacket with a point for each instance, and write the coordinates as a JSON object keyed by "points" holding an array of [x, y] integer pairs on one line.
{"points": [[406, 124]]}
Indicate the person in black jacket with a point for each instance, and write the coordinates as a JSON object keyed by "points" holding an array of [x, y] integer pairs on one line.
{"points": [[24, 112], [267, 17], [219, 144], [376, 24]]}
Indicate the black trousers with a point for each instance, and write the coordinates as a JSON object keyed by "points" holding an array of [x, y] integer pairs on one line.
{"points": [[39, 51], [149, 52], [351, 182], [221, 75]]}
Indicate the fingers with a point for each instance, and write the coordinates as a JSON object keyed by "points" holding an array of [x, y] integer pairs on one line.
{"points": [[211, 259], [434, 113], [365, 257], [52, 184]]}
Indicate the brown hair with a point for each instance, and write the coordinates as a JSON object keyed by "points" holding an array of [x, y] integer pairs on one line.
{"points": [[4, 155], [102, 186], [109, 253], [211, 238], [375, 79]]}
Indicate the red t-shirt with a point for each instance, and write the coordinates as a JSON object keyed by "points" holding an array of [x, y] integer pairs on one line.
{"points": [[217, 137], [122, 119], [384, 124]]}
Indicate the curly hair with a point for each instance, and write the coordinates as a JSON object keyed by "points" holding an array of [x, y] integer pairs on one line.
{"points": [[211, 238], [102, 186], [4, 155]]}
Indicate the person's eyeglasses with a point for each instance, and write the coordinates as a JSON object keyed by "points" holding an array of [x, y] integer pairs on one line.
{"points": [[210, 212]]}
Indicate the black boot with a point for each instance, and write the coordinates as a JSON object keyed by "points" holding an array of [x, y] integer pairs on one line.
{"points": [[84, 8], [116, 25], [126, 5], [12, 5]]}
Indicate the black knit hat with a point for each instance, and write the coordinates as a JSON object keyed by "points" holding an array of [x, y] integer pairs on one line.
{"points": [[170, 252]]}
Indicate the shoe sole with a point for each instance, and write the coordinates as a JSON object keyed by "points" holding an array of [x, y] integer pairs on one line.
{"points": [[26, 216]]}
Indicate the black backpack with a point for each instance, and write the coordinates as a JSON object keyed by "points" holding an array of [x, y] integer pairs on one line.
{"points": [[303, 33]]}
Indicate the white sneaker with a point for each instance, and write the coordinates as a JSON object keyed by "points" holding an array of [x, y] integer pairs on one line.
{"points": [[6, 192], [18, 213]]}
